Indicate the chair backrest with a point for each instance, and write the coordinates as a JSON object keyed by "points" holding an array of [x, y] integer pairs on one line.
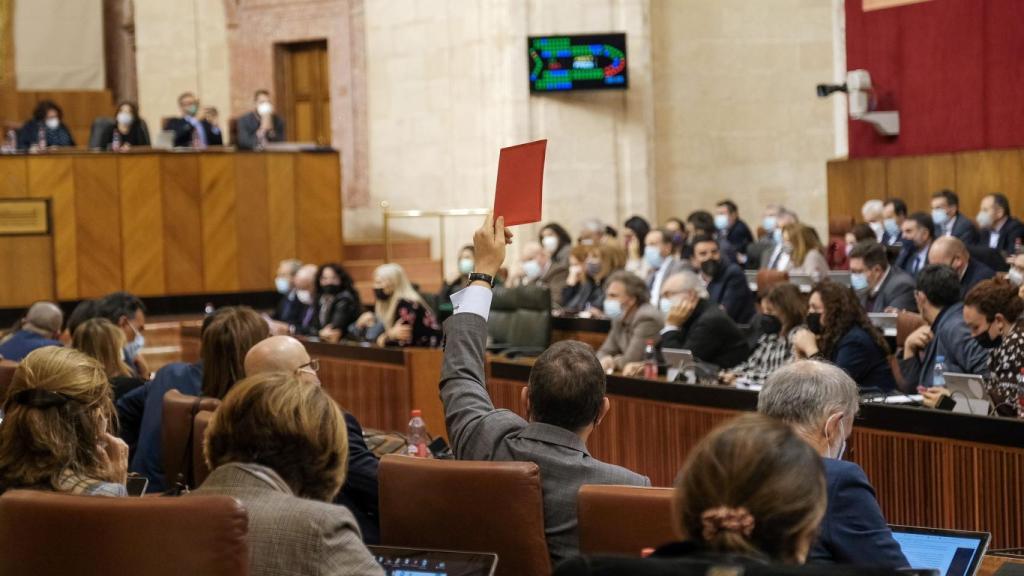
{"points": [[50, 534], [840, 225], [521, 317], [906, 322], [991, 257], [766, 279], [99, 125], [199, 425], [471, 506], [623, 520], [7, 369], [176, 434]]}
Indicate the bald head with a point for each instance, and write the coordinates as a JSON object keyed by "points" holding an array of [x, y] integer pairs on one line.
{"points": [[950, 251], [276, 354], [44, 318]]}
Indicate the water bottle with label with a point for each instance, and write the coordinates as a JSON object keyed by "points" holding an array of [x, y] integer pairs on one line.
{"points": [[939, 373], [417, 437], [650, 361]]}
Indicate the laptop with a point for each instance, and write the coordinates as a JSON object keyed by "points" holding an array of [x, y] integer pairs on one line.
{"points": [[884, 321], [677, 361], [968, 390], [421, 562], [951, 552], [840, 276]]}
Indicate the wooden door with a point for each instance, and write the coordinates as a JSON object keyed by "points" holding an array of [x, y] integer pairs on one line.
{"points": [[303, 88]]}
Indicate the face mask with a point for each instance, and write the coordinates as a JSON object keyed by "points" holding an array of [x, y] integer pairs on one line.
{"points": [[593, 269], [125, 118], [777, 235], [939, 216], [304, 296], [859, 281], [331, 289], [613, 309], [652, 254], [132, 349], [721, 221], [1016, 276], [814, 322], [984, 219], [282, 285], [987, 342], [769, 223], [466, 265], [710, 268], [264, 108], [191, 110], [842, 443], [531, 269], [666, 305], [891, 226], [550, 244], [53, 123], [381, 294], [771, 325]]}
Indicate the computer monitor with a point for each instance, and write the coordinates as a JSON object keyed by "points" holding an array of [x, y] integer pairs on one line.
{"points": [[951, 552], [421, 562], [969, 393]]}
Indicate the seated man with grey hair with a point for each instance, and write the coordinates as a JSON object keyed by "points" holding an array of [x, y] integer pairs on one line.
{"points": [[41, 327], [872, 211], [820, 401]]}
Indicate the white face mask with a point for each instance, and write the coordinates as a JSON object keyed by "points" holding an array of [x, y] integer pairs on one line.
{"points": [[125, 118], [466, 265], [531, 269], [613, 309], [53, 123], [842, 441], [304, 296], [282, 285], [264, 108], [132, 349], [1016, 276], [550, 244], [984, 219]]}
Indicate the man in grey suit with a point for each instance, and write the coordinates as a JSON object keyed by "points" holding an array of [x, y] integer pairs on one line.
{"points": [[565, 399], [879, 285]]}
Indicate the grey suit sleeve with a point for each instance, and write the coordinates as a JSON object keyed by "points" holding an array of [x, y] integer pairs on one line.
{"points": [[342, 551], [903, 298], [610, 346], [647, 328]]}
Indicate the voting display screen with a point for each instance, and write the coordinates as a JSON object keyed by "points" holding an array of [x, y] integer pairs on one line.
{"points": [[565, 63]]}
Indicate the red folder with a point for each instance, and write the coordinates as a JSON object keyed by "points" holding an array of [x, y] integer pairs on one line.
{"points": [[518, 194]]}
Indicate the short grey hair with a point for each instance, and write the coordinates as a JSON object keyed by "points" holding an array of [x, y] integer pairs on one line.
{"points": [[690, 282], [872, 207], [633, 285], [807, 392]]}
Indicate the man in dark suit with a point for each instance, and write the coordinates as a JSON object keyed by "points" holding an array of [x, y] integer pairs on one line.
{"points": [[193, 130], [952, 252], [878, 285], [731, 228], [894, 213], [727, 284], [821, 401], [695, 324], [261, 125], [918, 234], [948, 219], [999, 230], [284, 283]]}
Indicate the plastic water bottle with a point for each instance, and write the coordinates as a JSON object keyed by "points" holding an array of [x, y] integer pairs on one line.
{"points": [[11, 144], [939, 373], [650, 362], [417, 437], [41, 137]]}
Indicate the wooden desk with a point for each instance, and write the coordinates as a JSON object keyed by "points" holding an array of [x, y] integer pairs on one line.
{"points": [[168, 223], [590, 331]]}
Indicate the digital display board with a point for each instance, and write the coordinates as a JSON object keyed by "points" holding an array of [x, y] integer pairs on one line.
{"points": [[587, 62]]}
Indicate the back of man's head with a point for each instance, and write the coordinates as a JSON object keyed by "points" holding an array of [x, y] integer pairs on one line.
{"points": [[567, 386], [275, 354], [807, 392], [44, 317], [939, 284], [118, 305]]}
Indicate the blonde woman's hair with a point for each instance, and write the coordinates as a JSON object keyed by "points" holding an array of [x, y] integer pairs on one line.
{"points": [[394, 274], [57, 408], [803, 239], [104, 341], [286, 424]]}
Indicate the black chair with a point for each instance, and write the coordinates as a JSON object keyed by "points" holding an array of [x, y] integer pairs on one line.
{"points": [[520, 321], [991, 257], [100, 125]]}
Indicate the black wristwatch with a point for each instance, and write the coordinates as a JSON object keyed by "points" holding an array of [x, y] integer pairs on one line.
{"points": [[475, 276]]}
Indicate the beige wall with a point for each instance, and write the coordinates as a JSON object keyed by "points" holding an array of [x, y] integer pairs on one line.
{"points": [[58, 45]]}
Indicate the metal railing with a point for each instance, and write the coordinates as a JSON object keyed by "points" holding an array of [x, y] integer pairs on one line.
{"points": [[441, 216]]}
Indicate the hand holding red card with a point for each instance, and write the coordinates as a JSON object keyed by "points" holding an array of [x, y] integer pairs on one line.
{"points": [[518, 194]]}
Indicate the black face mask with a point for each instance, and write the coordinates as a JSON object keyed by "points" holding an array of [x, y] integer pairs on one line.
{"points": [[814, 322], [771, 325], [331, 289], [380, 294], [711, 268], [987, 342]]}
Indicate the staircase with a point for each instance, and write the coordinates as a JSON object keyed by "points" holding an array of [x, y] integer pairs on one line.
{"points": [[362, 257]]}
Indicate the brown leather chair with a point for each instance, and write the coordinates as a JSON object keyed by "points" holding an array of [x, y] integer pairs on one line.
{"points": [[766, 279], [623, 520], [199, 468], [470, 506], [50, 534], [906, 323], [176, 434], [7, 369], [840, 225]]}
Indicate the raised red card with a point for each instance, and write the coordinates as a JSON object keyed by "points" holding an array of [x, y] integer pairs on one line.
{"points": [[519, 192]]}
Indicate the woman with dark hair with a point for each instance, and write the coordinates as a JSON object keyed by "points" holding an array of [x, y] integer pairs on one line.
{"points": [[634, 233], [467, 260], [838, 330], [783, 311], [46, 129], [556, 242], [126, 131], [337, 302]]}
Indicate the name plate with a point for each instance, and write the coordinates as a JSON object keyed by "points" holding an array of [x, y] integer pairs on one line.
{"points": [[24, 216]]}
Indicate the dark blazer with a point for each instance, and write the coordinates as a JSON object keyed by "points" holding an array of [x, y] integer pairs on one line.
{"points": [[125, 384], [857, 354], [710, 335], [976, 272], [289, 310], [952, 340], [136, 135], [338, 312], [739, 236], [892, 239], [28, 136], [731, 291], [897, 291], [854, 531], [250, 123], [1011, 231], [360, 494], [22, 342], [183, 132], [963, 229], [576, 298], [905, 259]]}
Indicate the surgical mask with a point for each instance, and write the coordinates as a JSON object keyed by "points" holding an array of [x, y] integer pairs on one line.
{"points": [[984, 219], [842, 443], [191, 110], [859, 281], [814, 322], [769, 223], [1016, 276], [593, 269], [666, 305], [613, 309], [721, 221], [264, 108], [282, 285], [877, 228], [771, 325], [652, 254], [891, 226], [711, 268], [777, 235], [132, 349], [466, 265], [125, 118], [531, 269], [53, 123], [304, 296], [550, 244], [381, 294], [939, 216]]}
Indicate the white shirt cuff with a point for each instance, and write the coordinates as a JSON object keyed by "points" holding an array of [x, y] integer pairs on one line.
{"points": [[669, 328], [474, 300]]}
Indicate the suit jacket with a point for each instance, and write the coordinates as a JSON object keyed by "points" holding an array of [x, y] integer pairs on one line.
{"points": [[628, 336], [710, 335], [289, 310], [854, 531], [857, 354], [896, 291], [480, 432], [951, 339], [1011, 231], [731, 291], [360, 494], [249, 124], [338, 312], [976, 272], [759, 253], [23, 342], [289, 535], [963, 229], [585, 292], [892, 239], [183, 132], [739, 236], [908, 253]]}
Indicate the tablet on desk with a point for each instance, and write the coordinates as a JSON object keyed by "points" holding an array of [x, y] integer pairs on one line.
{"points": [[421, 562], [969, 393], [951, 552], [677, 361]]}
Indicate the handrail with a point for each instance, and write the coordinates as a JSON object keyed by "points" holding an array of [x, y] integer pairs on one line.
{"points": [[441, 215]]}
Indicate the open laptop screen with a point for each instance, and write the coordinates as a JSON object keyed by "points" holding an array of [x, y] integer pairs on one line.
{"points": [[951, 552], [420, 562]]}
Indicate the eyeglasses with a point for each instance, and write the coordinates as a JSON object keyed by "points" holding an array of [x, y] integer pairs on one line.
{"points": [[313, 366]]}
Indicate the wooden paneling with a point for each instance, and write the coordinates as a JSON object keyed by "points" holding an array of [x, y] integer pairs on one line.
{"points": [[318, 208], [852, 182], [13, 177], [25, 269], [219, 225], [281, 201], [183, 246], [378, 394], [981, 173], [255, 271], [916, 178], [425, 375], [142, 225], [53, 177], [98, 217]]}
